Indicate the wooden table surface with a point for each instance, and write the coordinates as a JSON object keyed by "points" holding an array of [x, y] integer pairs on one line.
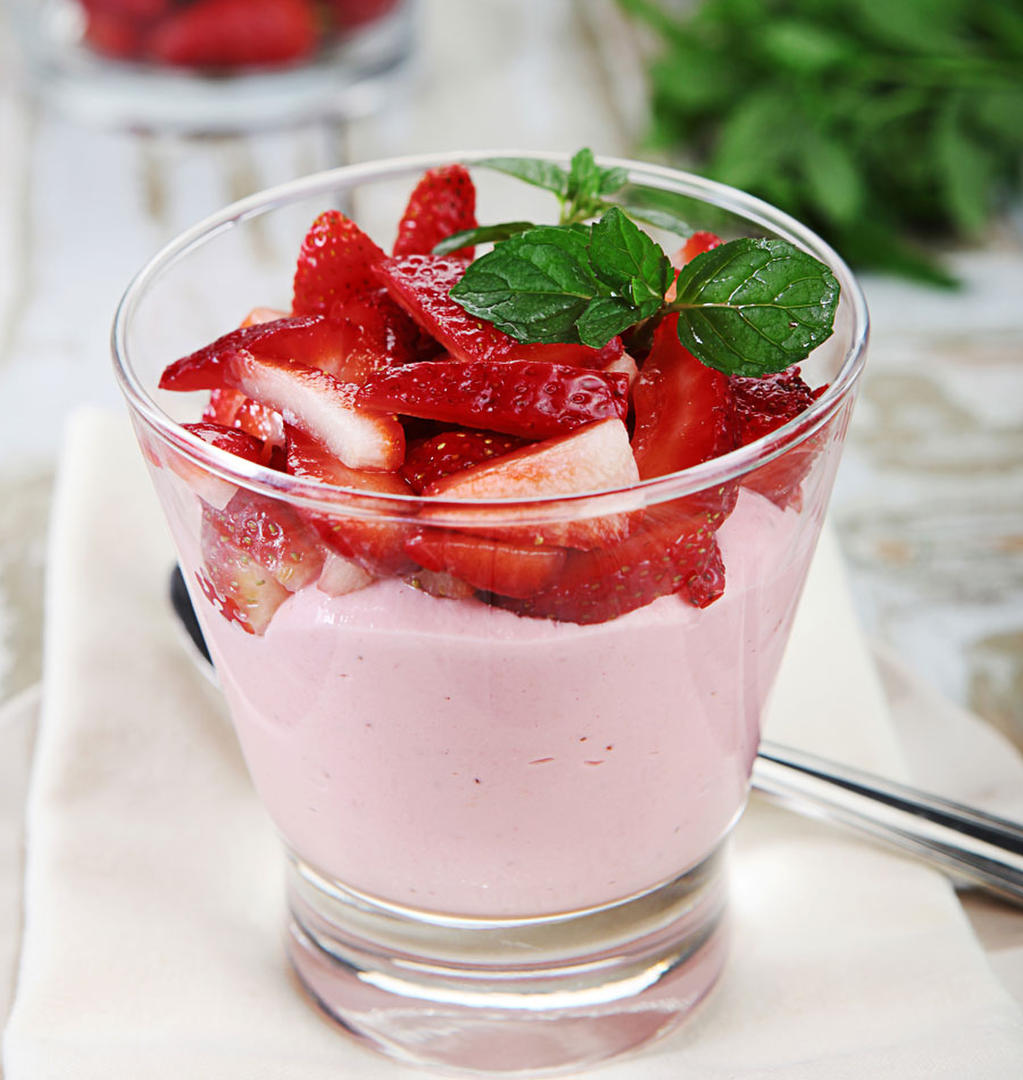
{"points": [[929, 503]]}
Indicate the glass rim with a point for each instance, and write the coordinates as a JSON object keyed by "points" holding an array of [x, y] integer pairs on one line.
{"points": [[316, 495]]}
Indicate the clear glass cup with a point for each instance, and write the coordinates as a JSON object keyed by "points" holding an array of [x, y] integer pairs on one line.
{"points": [[505, 834], [152, 64]]}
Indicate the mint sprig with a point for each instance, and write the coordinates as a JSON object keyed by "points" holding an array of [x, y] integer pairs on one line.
{"points": [[748, 307], [583, 192]]}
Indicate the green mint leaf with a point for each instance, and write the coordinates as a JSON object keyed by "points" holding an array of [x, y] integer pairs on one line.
{"points": [[660, 219], [482, 234], [603, 318], [543, 174], [611, 180], [583, 177], [751, 307], [533, 286], [630, 262]]}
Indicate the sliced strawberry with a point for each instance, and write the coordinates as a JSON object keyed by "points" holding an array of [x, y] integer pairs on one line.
{"points": [[366, 536], [348, 14], [594, 458], [441, 584], [491, 565], [433, 458], [697, 244], [518, 397], [655, 561], [308, 340], [210, 488], [685, 411], [442, 203], [576, 355], [273, 534], [234, 441], [307, 398], [373, 335], [420, 285], [238, 587], [763, 405], [334, 265], [233, 33], [341, 576], [232, 409]]}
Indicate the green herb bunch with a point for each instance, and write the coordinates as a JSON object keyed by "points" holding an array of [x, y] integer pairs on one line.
{"points": [[878, 122]]}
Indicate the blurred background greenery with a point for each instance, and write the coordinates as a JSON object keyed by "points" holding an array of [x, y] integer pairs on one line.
{"points": [[885, 124]]}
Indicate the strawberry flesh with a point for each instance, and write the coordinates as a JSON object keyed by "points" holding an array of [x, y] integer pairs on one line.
{"points": [[306, 397], [594, 458], [334, 265], [656, 560], [517, 570], [442, 203], [307, 340], [431, 459], [374, 543], [237, 586], [273, 535], [531, 399], [763, 405]]}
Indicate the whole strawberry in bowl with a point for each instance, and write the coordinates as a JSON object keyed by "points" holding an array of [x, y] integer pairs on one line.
{"points": [[509, 526], [214, 65]]}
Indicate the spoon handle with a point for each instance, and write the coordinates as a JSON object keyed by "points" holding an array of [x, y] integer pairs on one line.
{"points": [[967, 843]]}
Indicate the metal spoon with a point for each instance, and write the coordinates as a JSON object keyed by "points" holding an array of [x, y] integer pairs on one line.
{"points": [[964, 842]]}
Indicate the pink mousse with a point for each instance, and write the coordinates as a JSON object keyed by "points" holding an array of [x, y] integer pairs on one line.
{"points": [[451, 756]]}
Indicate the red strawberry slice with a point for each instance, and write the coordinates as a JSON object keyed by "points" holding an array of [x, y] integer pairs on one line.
{"points": [[308, 340], [232, 33], [441, 584], [532, 399], [307, 398], [685, 411], [373, 334], [430, 460], [594, 458], [420, 285], [697, 244], [763, 405], [232, 409], [576, 355], [234, 441], [442, 203], [684, 415], [273, 535], [656, 560], [334, 265], [517, 570], [211, 489], [238, 587], [365, 536]]}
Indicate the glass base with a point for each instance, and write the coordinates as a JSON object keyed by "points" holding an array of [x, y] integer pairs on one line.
{"points": [[349, 78], [525, 997]]}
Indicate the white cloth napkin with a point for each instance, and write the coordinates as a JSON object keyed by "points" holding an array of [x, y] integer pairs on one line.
{"points": [[152, 944]]}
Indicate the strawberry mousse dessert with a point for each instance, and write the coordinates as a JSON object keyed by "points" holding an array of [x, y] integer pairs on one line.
{"points": [[495, 495]]}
